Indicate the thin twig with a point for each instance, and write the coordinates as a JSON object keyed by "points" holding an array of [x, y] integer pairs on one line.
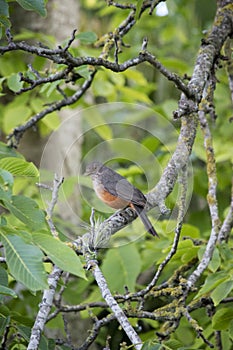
{"points": [[57, 182], [197, 328], [95, 331], [181, 213], [18, 132]]}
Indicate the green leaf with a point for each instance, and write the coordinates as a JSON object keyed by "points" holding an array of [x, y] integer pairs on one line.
{"points": [[121, 267], [6, 179], [63, 256], [48, 123], [34, 5], [186, 251], [221, 292], [14, 83], [87, 37], [4, 8], [190, 231], [3, 277], [6, 151], [221, 320], [4, 322], [103, 87], [19, 167], [26, 210], [215, 261], [5, 194], [175, 64], [7, 291], [83, 71], [6, 184], [131, 94], [50, 87], [4, 22], [99, 125], [14, 116], [23, 260], [211, 282], [151, 345]]}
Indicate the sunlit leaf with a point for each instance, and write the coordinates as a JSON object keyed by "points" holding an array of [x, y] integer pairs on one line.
{"points": [[14, 82], [19, 167], [27, 211], [215, 261], [211, 282], [99, 125], [83, 71], [221, 292], [87, 37], [63, 256], [121, 267], [7, 291], [14, 116]]}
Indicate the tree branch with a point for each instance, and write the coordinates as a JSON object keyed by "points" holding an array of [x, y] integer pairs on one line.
{"points": [[181, 213], [45, 307], [117, 311], [18, 132], [48, 294], [211, 197]]}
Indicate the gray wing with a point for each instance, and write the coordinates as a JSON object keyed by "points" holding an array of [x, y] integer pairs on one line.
{"points": [[118, 186]]}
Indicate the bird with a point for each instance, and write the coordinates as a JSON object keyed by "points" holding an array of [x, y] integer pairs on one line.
{"points": [[117, 192]]}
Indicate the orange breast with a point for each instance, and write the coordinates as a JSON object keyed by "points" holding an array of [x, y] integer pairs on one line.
{"points": [[112, 201]]}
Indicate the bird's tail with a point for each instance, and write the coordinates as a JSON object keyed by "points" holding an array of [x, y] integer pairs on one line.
{"points": [[145, 220]]}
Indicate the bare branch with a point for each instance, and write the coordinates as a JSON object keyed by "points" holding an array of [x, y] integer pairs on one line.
{"points": [[95, 331], [211, 197], [45, 307], [18, 132], [118, 312], [169, 75], [48, 294], [197, 328], [42, 80]]}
